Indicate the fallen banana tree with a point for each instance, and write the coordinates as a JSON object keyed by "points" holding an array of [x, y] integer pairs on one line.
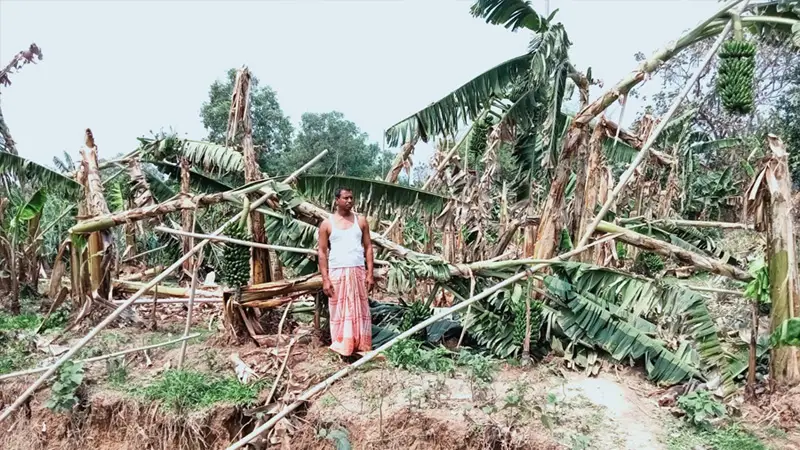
{"points": [[685, 256]]}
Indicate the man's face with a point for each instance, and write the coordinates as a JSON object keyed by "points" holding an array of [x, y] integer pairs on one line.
{"points": [[345, 201]]}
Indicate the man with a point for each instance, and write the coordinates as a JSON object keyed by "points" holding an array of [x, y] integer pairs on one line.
{"points": [[344, 249]]}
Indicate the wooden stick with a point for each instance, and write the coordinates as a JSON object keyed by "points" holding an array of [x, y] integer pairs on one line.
{"points": [[102, 357], [643, 153], [280, 371], [408, 333], [197, 262], [171, 301], [711, 289], [111, 317]]}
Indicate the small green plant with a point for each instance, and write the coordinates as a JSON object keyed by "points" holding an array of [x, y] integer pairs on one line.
{"points": [[758, 288], [479, 367], [63, 393], [700, 408], [410, 355], [579, 441], [116, 371], [13, 353], [185, 390]]}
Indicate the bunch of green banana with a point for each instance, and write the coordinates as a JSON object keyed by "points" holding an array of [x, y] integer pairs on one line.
{"points": [[414, 314], [519, 321], [236, 258], [735, 76], [477, 142]]}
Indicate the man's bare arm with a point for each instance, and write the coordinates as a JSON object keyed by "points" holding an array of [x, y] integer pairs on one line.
{"points": [[322, 255], [368, 252]]}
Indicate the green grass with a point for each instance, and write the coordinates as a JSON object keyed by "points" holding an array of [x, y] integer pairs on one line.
{"points": [[13, 355], [182, 390], [20, 322], [729, 438]]}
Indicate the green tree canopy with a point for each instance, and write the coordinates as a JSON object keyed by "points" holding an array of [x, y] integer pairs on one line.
{"points": [[349, 151], [272, 130]]}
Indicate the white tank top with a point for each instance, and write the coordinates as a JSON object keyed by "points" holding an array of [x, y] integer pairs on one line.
{"points": [[346, 249]]}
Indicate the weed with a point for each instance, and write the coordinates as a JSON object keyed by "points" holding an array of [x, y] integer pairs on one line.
{"points": [[728, 438], [116, 371], [185, 390], [13, 354], [700, 408], [479, 367], [409, 355], [62, 395], [328, 401], [19, 322]]}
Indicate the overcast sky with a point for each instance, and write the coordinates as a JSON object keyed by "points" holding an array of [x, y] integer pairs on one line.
{"points": [[123, 68]]}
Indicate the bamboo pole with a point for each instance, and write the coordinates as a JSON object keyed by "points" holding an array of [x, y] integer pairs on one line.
{"points": [[642, 155], [102, 357], [168, 301], [111, 317], [197, 262], [408, 333], [692, 223]]}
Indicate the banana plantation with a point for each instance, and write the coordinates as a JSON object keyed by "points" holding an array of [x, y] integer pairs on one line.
{"points": [[555, 277]]}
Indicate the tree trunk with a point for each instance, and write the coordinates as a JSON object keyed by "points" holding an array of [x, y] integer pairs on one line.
{"points": [[240, 115], [581, 174], [186, 215], [552, 218], [769, 199], [596, 174], [100, 249], [401, 161]]}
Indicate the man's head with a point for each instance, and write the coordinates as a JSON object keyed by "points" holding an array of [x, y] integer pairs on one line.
{"points": [[344, 199]]}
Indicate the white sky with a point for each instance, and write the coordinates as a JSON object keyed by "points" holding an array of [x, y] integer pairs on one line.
{"points": [[123, 68]]}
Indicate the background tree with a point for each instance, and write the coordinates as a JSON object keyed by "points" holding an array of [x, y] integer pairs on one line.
{"points": [[350, 152], [272, 129]]}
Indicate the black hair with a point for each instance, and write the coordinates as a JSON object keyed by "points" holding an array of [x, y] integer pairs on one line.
{"points": [[339, 191]]}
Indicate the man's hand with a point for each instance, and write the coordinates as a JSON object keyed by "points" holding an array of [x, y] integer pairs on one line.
{"points": [[370, 283], [327, 288]]}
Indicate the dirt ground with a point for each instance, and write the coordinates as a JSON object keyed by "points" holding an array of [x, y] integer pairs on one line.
{"points": [[377, 407]]}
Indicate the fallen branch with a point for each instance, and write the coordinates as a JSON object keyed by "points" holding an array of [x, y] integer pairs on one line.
{"points": [[681, 223], [102, 357], [666, 249], [163, 291], [408, 333]]}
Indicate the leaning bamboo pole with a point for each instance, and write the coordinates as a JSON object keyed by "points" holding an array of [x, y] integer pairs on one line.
{"points": [[102, 357], [190, 306], [116, 313], [676, 102], [408, 333]]}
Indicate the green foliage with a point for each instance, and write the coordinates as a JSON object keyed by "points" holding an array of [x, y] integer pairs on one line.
{"points": [[349, 151], [38, 175], [339, 436], [622, 250], [512, 14], [480, 368], [700, 408], [272, 129], [758, 288], [735, 76], [19, 322], [63, 393], [14, 353], [728, 438], [236, 258], [408, 354], [184, 390], [488, 322], [372, 197], [787, 333], [648, 264]]}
